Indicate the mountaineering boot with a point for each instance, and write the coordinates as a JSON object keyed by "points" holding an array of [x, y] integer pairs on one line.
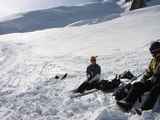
{"points": [[124, 105], [138, 111], [134, 93], [127, 75]]}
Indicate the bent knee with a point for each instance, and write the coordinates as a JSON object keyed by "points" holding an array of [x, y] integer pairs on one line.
{"points": [[138, 84]]}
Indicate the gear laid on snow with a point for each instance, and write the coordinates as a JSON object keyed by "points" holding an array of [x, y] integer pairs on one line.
{"points": [[56, 77], [126, 75], [122, 91], [107, 86], [64, 76]]}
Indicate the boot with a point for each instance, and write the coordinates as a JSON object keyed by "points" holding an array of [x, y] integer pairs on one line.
{"points": [[135, 92], [124, 105]]}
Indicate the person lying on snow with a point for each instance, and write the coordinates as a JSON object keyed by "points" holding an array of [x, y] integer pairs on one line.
{"points": [[149, 82], [93, 79]]}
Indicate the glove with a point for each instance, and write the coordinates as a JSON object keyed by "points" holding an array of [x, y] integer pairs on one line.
{"points": [[89, 76], [142, 80], [155, 79]]}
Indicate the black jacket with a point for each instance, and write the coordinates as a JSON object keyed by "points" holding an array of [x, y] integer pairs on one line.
{"points": [[93, 70]]}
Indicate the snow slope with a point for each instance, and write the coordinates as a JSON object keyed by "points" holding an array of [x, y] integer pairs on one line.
{"points": [[8, 7], [152, 2], [59, 17], [29, 62]]}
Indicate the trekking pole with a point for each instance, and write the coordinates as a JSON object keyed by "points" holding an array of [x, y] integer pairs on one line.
{"points": [[136, 77]]}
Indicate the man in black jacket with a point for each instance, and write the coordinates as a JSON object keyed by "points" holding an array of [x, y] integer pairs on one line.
{"points": [[93, 76], [93, 70]]}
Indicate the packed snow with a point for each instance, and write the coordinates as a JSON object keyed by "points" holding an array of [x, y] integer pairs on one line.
{"points": [[30, 61]]}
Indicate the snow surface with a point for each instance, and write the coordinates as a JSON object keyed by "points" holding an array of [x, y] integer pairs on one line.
{"points": [[9, 7], [59, 17], [96, 11], [29, 62], [152, 2]]}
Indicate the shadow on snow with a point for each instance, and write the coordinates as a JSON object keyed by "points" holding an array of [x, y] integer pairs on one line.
{"points": [[58, 17]]}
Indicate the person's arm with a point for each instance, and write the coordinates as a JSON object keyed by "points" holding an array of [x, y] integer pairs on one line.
{"points": [[156, 76], [89, 73], [97, 73], [99, 70], [149, 72]]}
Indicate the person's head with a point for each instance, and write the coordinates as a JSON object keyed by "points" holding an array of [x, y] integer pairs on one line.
{"points": [[93, 59], [155, 49]]}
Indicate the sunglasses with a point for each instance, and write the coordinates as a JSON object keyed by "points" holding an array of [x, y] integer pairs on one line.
{"points": [[155, 53], [93, 60]]}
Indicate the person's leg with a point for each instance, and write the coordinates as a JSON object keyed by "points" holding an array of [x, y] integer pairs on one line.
{"points": [[151, 98], [94, 85], [87, 85], [135, 92], [82, 87], [105, 85]]}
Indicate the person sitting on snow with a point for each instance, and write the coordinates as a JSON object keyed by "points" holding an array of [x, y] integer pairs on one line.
{"points": [[93, 73], [149, 82], [93, 79]]}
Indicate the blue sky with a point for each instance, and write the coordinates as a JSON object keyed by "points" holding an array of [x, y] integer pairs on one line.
{"points": [[16, 6]]}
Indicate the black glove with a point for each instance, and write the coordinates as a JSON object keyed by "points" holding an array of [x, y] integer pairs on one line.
{"points": [[115, 82], [127, 75], [155, 79], [156, 76], [89, 76]]}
